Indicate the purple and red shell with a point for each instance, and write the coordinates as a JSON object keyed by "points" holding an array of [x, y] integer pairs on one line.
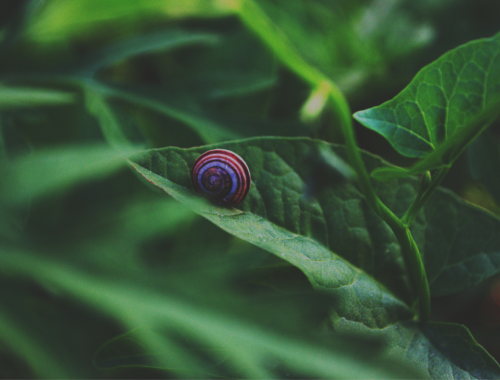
{"points": [[222, 176]]}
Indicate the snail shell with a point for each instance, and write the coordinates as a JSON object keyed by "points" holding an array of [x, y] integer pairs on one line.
{"points": [[222, 176]]}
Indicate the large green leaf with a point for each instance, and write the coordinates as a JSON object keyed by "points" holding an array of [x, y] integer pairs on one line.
{"points": [[460, 243], [446, 104], [441, 350], [333, 237], [284, 176]]}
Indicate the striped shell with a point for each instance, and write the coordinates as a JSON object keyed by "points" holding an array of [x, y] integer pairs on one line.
{"points": [[222, 176]]}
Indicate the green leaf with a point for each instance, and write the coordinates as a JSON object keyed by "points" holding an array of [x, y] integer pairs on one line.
{"points": [[447, 152], [279, 204], [334, 238], [440, 350], [460, 243], [449, 100], [484, 158], [15, 97]]}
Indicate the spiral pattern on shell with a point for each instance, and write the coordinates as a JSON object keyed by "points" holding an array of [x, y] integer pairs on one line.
{"points": [[222, 176]]}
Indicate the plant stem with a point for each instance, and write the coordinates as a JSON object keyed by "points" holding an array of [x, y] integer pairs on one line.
{"points": [[422, 197], [256, 20]]}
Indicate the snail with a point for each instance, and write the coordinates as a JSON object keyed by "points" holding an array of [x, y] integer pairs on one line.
{"points": [[222, 176]]}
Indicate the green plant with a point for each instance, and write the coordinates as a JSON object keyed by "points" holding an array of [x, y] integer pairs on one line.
{"points": [[163, 289]]}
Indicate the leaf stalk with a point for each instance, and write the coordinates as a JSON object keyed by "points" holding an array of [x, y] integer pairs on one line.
{"points": [[423, 196]]}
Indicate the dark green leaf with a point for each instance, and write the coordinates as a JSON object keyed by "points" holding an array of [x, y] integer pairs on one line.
{"points": [[460, 243], [452, 98], [484, 158], [279, 204], [440, 350]]}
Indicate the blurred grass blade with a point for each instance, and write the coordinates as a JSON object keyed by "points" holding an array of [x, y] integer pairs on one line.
{"points": [[61, 19], [208, 130], [131, 349], [96, 104], [34, 352], [12, 146], [55, 169], [148, 43], [15, 97], [134, 302], [17, 23]]}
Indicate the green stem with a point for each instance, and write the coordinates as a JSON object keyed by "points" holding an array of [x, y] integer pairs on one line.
{"points": [[412, 212], [256, 20], [418, 273]]}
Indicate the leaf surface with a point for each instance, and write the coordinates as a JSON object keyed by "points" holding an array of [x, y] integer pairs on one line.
{"points": [[460, 243], [484, 159], [331, 235]]}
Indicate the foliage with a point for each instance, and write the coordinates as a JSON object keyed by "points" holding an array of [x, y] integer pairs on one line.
{"points": [[338, 264]]}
